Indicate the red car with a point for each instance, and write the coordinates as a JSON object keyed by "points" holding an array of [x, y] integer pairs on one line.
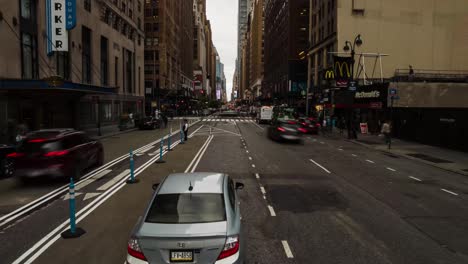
{"points": [[56, 153], [309, 125]]}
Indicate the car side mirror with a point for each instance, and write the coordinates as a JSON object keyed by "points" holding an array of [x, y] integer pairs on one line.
{"points": [[155, 186], [239, 186]]}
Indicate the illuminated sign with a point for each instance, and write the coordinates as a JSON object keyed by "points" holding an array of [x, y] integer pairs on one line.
{"points": [[56, 26]]}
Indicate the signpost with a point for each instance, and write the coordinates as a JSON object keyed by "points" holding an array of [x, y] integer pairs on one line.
{"points": [[393, 96], [352, 86]]}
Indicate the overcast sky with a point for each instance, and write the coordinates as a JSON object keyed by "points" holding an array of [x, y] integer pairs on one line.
{"points": [[223, 18]]}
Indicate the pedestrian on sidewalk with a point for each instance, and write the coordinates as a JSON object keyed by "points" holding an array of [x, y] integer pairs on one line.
{"points": [[185, 129], [386, 130]]}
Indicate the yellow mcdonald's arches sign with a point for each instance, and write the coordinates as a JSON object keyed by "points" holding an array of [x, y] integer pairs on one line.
{"points": [[330, 74], [342, 65]]}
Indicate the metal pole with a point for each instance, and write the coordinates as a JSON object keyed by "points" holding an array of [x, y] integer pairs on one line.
{"points": [[391, 121], [161, 152]]}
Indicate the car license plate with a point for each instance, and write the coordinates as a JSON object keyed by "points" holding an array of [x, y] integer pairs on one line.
{"points": [[181, 256]]}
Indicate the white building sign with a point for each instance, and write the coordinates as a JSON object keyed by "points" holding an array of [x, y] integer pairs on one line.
{"points": [[56, 26]]}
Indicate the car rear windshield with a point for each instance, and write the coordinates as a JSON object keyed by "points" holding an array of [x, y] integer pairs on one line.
{"points": [[35, 147], [187, 208]]}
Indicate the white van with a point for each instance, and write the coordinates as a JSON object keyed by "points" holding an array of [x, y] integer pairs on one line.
{"points": [[265, 114]]}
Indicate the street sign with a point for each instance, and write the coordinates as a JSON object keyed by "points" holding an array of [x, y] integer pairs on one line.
{"points": [[352, 85], [393, 91]]}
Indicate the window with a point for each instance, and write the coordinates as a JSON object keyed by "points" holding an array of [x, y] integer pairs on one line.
{"points": [[139, 5], [63, 65], [130, 13], [87, 5], [86, 54], [187, 208], [128, 77], [29, 65], [116, 71], [139, 23], [155, 27], [104, 61], [28, 9], [124, 7]]}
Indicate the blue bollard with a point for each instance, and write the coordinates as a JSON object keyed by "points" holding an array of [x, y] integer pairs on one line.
{"points": [[169, 143], [160, 160], [132, 179], [73, 232]]}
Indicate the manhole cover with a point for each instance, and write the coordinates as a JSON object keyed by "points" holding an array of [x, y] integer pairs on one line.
{"points": [[428, 158], [301, 199]]}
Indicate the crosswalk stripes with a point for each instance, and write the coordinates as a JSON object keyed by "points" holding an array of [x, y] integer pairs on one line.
{"points": [[245, 120]]}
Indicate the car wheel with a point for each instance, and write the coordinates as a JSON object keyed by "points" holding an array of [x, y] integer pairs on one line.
{"points": [[100, 159], [78, 171]]}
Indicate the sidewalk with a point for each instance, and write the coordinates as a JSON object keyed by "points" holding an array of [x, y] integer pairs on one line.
{"points": [[442, 158], [107, 131]]}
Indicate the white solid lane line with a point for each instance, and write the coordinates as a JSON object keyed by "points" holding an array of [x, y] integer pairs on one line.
{"points": [[92, 179], [320, 166], [262, 189], [452, 193], [108, 184], [414, 178], [287, 249], [272, 211], [201, 155], [257, 175], [370, 161], [390, 169]]}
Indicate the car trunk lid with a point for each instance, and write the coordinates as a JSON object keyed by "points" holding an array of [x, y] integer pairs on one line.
{"points": [[202, 242]]}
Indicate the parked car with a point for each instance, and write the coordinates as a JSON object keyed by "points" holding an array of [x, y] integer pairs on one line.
{"points": [[6, 165], [149, 122], [309, 125], [265, 114], [56, 153], [193, 218], [285, 130]]}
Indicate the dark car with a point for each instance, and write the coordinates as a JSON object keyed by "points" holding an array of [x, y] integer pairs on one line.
{"points": [[6, 166], [309, 125], [56, 153], [149, 123], [284, 131]]}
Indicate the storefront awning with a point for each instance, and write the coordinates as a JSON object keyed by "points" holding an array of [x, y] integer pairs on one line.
{"points": [[13, 85]]}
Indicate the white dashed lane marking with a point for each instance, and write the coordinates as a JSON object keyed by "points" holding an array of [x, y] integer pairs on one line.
{"points": [[416, 179], [390, 169], [287, 249], [272, 211], [370, 161], [452, 193]]}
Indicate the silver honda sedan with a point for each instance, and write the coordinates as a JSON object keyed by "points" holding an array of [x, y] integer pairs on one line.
{"points": [[192, 218]]}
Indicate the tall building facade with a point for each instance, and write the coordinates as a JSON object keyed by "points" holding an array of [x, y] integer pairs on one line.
{"points": [[256, 48], [199, 48], [94, 78], [286, 43], [168, 52]]}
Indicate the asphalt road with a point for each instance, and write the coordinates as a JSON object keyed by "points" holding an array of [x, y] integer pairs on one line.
{"points": [[324, 201]]}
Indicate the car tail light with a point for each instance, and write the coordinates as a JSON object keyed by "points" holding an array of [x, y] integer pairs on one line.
{"points": [[37, 140], [15, 155], [281, 129], [134, 249], [230, 248], [303, 130], [56, 153], [304, 123]]}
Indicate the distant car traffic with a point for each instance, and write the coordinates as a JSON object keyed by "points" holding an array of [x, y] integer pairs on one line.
{"points": [[192, 218], [56, 153], [6, 166], [149, 123], [309, 125], [265, 114], [282, 130]]}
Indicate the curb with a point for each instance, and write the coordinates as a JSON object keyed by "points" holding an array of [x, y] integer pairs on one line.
{"points": [[115, 134], [409, 157]]}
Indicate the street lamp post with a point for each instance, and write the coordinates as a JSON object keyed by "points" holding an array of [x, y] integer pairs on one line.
{"points": [[352, 46]]}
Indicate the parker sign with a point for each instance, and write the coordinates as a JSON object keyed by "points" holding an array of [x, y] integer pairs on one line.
{"points": [[57, 26]]}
